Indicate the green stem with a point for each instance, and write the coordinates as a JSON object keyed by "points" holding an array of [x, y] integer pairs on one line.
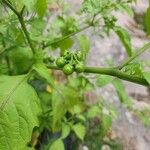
{"points": [[116, 73], [66, 37], [111, 72], [138, 53], [22, 22]]}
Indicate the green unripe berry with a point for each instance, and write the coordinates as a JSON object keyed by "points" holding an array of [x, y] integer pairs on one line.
{"points": [[79, 68], [68, 69], [60, 62]]}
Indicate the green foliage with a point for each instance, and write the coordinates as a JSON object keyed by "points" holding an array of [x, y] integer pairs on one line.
{"points": [[147, 76], [125, 39], [120, 89], [21, 59], [41, 69], [57, 145], [144, 116], [29, 31], [79, 130], [65, 130], [19, 110], [84, 45], [135, 69], [41, 7], [147, 21]]}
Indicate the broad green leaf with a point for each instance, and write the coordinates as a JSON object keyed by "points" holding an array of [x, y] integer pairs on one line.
{"points": [[147, 76], [21, 59], [41, 7], [84, 45], [57, 145], [65, 130], [124, 38], [120, 89], [65, 44], [63, 99], [93, 111], [58, 109], [103, 80], [43, 71], [79, 130], [147, 21], [19, 110]]}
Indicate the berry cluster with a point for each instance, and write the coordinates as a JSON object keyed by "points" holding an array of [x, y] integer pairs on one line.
{"points": [[71, 62]]}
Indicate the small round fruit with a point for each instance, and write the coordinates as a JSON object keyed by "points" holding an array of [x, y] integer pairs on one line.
{"points": [[79, 67], [60, 62], [68, 69], [79, 55]]}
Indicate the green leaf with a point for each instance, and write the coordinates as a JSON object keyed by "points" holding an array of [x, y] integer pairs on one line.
{"points": [[65, 130], [147, 76], [19, 109], [124, 38], [134, 69], [79, 130], [65, 44], [106, 124], [120, 89], [84, 45], [42, 70], [41, 7], [93, 111], [58, 110], [144, 115], [95, 6], [57, 145], [21, 59], [63, 99], [103, 80], [147, 21]]}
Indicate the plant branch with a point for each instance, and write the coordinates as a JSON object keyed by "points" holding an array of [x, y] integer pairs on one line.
{"points": [[66, 37], [138, 53], [22, 22], [111, 72]]}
